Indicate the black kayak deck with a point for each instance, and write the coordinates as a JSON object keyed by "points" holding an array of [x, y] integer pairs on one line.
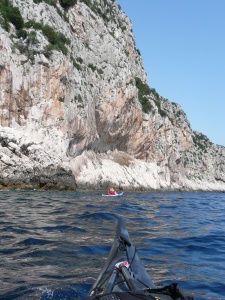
{"points": [[123, 276], [122, 251]]}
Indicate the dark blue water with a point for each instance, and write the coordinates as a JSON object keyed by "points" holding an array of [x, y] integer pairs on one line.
{"points": [[53, 244]]}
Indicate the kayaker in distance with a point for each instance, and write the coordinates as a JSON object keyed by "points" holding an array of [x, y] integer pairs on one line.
{"points": [[112, 191]]}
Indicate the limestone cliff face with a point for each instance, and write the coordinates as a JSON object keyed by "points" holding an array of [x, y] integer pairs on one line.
{"points": [[76, 110]]}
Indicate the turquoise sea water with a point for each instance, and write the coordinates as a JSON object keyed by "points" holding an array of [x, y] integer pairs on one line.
{"points": [[53, 244]]}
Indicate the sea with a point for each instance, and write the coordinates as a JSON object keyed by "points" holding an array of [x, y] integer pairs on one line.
{"points": [[53, 244]]}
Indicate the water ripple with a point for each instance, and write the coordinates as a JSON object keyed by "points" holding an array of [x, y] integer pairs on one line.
{"points": [[53, 244]]}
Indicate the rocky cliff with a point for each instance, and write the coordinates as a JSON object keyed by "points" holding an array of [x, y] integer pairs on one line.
{"points": [[76, 110]]}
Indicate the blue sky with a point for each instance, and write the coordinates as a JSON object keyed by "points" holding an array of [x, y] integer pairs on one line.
{"points": [[182, 43]]}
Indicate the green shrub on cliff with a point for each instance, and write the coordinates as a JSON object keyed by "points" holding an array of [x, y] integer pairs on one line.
{"points": [[21, 33], [143, 91], [50, 2], [201, 141], [67, 3], [57, 40], [10, 14]]}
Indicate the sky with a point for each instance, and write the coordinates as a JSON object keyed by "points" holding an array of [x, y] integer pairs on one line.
{"points": [[182, 44]]}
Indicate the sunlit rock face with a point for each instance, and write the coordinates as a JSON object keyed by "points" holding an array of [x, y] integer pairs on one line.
{"points": [[73, 116]]}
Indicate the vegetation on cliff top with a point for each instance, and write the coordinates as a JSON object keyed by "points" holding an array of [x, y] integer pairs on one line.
{"points": [[57, 41], [144, 91], [201, 141], [10, 14]]}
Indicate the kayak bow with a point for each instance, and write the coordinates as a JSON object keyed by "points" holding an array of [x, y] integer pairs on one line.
{"points": [[123, 276]]}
